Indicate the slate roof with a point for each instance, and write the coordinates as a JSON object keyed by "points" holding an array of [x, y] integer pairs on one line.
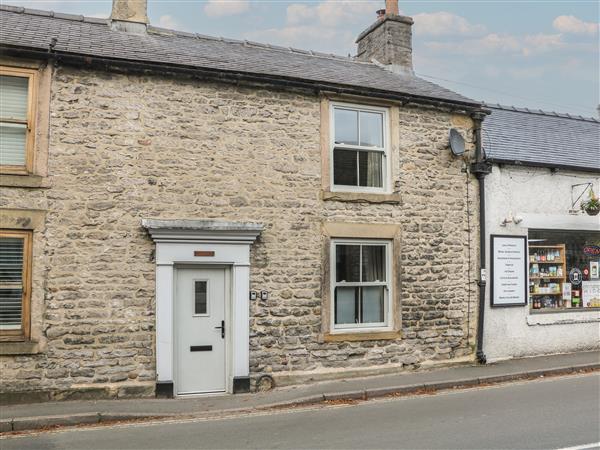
{"points": [[35, 29], [540, 138]]}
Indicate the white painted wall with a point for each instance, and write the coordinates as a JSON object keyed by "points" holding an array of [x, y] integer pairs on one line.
{"points": [[543, 200]]}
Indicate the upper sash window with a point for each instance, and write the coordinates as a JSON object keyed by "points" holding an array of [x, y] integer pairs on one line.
{"points": [[359, 148]]}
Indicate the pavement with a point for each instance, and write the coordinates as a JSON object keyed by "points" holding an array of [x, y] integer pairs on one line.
{"points": [[67, 413], [547, 413]]}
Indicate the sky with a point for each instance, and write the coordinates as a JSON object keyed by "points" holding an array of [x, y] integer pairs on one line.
{"points": [[534, 53]]}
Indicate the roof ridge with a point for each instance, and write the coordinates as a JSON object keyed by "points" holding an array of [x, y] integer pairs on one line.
{"points": [[49, 13], [254, 44], [541, 112]]}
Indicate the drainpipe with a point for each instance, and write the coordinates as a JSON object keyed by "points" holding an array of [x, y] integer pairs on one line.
{"points": [[480, 168]]}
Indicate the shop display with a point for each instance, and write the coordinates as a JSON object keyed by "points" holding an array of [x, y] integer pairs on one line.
{"points": [[564, 270], [547, 274]]}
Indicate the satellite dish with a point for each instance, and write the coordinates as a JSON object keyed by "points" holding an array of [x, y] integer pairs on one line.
{"points": [[457, 142]]}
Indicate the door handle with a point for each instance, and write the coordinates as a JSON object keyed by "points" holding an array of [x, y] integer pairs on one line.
{"points": [[222, 328]]}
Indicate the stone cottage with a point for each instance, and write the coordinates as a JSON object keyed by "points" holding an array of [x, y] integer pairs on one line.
{"points": [[186, 214]]}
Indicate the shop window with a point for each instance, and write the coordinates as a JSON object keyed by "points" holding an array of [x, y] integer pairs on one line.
{"points": [[359, 148], [360, 284], [17, 90], [15, 284], [564, 270]]}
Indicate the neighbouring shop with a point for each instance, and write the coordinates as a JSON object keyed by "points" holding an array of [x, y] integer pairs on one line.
{"points": [[542, 234]]}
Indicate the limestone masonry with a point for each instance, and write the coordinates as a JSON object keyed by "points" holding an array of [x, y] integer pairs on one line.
{"points": [[125, 146]]}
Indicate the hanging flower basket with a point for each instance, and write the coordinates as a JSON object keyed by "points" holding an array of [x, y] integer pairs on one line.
{"points": [[592, 205]]}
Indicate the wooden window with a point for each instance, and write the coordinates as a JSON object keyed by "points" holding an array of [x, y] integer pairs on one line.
{"points": [[359, 148], [361, 284], [15, 284], [17, 113]]}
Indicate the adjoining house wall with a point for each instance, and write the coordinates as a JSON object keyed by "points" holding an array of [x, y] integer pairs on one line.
{"points": [[125, 147], [538, 196]]}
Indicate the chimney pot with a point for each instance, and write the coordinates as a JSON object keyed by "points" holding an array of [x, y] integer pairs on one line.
{"points": [[391, 7]]}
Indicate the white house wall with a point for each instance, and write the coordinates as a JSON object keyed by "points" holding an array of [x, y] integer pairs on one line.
{"points": [[542, 199]]}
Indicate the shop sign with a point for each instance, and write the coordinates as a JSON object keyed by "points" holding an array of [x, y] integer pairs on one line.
{"points": [[591, 250], [590, 294], [594, 270], [575, 276], [508, 270]]}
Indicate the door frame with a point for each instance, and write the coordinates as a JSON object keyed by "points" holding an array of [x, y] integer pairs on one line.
{"points": [[228, 327], [202, 242]]}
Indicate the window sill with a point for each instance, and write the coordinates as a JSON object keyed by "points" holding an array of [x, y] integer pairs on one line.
{"points": [[19, 348], [563, 310], [544, 319], [24, 181], [361, 197], [364, 336]]}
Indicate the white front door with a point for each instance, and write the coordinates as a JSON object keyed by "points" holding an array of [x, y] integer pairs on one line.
{"points": [[200, 329]]}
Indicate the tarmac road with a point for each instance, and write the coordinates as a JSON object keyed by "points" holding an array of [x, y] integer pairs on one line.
{"points": [[545, 414]]}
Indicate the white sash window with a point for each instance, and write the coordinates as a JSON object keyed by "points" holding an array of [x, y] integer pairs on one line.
{"points": [[360, 283], [359, 148]]}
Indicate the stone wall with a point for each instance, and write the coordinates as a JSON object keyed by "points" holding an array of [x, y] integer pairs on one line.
{"points": [[126, 147]]}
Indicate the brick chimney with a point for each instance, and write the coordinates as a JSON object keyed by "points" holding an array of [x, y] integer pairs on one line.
{"points": [[388, 41], [129, 15]]}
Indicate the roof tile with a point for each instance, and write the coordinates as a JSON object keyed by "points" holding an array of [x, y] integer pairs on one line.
{"points": [[89, 37], [538, 137]]}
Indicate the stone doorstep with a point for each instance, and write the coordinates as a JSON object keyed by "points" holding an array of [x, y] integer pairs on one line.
{"points": [[33, 423]]}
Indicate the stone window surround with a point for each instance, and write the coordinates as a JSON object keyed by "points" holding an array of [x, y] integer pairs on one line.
{"points": [[37, 165], [343, 230], [389, 196], [34, 221]]}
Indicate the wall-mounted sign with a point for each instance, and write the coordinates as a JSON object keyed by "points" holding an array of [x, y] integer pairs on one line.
{"points": [[594, 270], [591, 250], [575, 276], [508, 270]]}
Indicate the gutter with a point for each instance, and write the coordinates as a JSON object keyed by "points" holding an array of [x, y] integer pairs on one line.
{"points": [[481, 167], [106, 63], [521, 163]]}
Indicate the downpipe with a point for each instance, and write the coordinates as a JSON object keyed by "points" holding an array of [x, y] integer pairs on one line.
{"points": [[480, 168]]}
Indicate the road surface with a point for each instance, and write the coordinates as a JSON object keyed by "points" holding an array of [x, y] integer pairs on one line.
{"points": [[545, 414]]}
